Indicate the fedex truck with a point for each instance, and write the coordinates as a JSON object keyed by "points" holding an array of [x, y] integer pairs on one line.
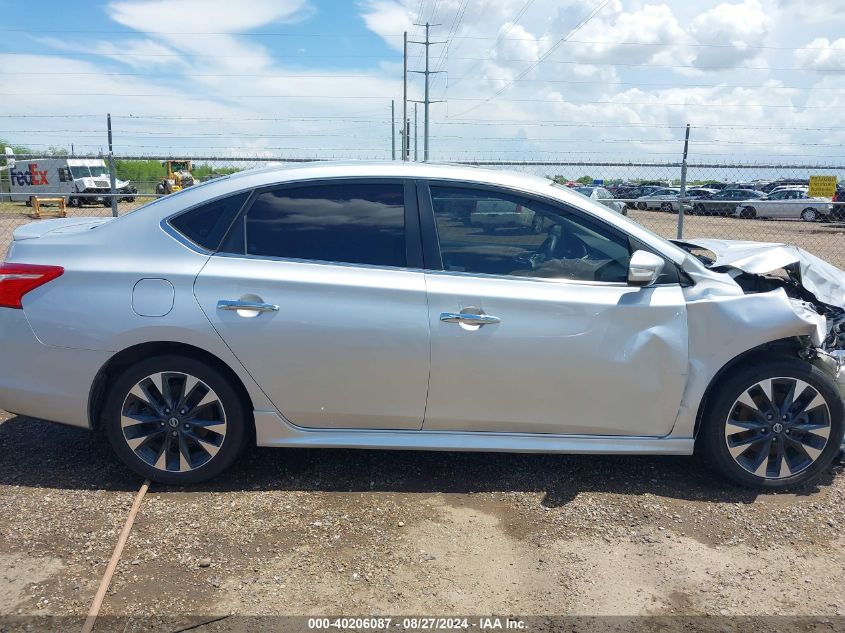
{"points": [[78, 180]]}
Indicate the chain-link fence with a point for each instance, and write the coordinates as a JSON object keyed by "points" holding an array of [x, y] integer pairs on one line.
{"points": [[762, 202]]}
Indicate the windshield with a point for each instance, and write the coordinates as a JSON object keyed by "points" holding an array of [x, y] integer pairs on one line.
{"points": [[99, 170], [80, 172], [587, 191]]}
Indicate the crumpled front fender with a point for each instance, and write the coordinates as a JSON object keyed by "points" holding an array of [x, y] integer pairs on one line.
{"points": [[725, 327]]}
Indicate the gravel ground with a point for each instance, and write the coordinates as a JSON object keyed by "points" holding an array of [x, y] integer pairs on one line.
{"points": [[368, 532]]}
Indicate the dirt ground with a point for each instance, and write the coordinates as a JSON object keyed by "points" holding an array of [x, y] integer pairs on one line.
{"points": [[310, 532]]}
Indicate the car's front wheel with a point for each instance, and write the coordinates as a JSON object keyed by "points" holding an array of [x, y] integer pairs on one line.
{"points": [[175, 420], [773, 425]]}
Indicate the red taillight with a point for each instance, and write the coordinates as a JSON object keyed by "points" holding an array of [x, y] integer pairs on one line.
{"points": [[18, 279]]}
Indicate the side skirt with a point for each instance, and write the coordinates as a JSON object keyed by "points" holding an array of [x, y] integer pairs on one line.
{"points": [[272, 430]]}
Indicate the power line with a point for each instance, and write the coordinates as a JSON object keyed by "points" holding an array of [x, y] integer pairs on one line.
{"points": [[513, 23], [548, 53]]}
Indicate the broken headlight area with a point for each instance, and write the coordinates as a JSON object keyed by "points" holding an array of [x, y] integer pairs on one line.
{"points": [[812, 283]]}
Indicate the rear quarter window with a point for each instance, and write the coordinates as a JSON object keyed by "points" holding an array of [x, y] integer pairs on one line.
{"points": [[206, 224]]}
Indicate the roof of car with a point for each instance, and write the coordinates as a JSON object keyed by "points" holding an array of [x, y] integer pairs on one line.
{"points": [[389, 168]]}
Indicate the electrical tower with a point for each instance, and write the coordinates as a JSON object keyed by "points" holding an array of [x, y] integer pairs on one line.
{"points": [[426, 101]]}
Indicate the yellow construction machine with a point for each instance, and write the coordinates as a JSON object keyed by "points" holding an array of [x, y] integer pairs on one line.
{"points": [[178, 176]]}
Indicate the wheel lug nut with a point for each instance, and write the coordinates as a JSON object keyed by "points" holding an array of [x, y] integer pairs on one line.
{"points": [[187, 426], [167, 410], [182, 412], [769, 416], [161, 423], [175, 433]]}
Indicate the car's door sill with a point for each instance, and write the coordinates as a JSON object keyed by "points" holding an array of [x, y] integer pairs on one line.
{"points": [[273, 430]]}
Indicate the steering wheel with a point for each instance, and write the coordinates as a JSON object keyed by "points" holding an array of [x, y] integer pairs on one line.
{"points": [[555, 246]]}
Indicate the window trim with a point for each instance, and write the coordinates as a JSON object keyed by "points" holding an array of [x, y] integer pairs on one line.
{"points": [[413, 240], [431, 239]]}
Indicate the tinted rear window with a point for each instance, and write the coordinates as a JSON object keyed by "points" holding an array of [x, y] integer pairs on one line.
{"points": [[356, 223], [206, 225]]}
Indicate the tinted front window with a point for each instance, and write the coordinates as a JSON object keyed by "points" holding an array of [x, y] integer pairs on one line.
{"points": [[351, 223], [206, 225], [502, 234]]}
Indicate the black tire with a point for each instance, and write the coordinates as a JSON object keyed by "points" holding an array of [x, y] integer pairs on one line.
{"points": [[748, 213], [238, 419], [699, 209], [28, 201], [160, 190], [667, 207], [713, 439], [74, 202], [809, 215], [642, 206]]}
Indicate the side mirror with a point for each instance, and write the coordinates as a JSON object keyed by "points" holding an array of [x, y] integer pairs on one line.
{"points": [[644, 268]]}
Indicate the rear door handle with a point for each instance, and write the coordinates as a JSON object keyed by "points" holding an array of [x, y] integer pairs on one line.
{"points": [[228, 304], [469, 319]]}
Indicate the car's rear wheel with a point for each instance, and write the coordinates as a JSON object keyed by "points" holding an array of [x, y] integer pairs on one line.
{"points": [[642, 206], [699, 209], [773, 425], [749, 213], [175, 420], [667, 207], [809, 215]]}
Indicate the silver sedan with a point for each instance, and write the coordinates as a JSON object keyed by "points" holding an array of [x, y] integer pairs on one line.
{"points": [[357, 305]]}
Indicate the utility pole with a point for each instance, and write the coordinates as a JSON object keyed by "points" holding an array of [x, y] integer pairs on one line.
{"points": [[111, 169], [683, 193], [416, 142], [392, 130], [426, 101], [405, 94]]}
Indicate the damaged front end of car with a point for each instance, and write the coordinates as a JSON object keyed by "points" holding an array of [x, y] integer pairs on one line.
{"points": [[814, 289]]}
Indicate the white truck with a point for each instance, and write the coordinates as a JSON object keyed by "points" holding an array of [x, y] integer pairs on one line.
{"points": [[78, 180]]}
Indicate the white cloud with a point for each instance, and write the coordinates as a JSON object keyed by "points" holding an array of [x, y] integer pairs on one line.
{"points": [[387, 18], [823, 55], [607, 38], [730, 33], [203, 16]]}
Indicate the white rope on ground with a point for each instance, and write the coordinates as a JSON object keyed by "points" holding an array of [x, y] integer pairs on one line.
{"points": [[115, 558]]}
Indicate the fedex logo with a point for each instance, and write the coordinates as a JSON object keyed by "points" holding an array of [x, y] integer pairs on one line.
{"points": [[30, 177]]}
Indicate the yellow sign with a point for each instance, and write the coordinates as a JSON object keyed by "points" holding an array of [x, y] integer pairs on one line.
{"points": [[822, 186]]}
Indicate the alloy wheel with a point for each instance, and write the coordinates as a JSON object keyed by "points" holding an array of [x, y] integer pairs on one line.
{"points": [[173, 421], [778, 427]]}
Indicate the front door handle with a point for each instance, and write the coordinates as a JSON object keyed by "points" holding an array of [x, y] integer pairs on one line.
{"points": [[255, 306], [468, 318]]}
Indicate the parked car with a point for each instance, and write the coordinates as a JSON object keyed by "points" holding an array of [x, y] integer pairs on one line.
{"points": [[769, 187], [723, 202], [699, 193], [786, 203], [632, 193], [665, 199], [603, 196], [350, 305], [494, 214]]}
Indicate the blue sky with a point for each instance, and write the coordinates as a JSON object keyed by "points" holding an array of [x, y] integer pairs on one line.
{"points": [[755, 78]]}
